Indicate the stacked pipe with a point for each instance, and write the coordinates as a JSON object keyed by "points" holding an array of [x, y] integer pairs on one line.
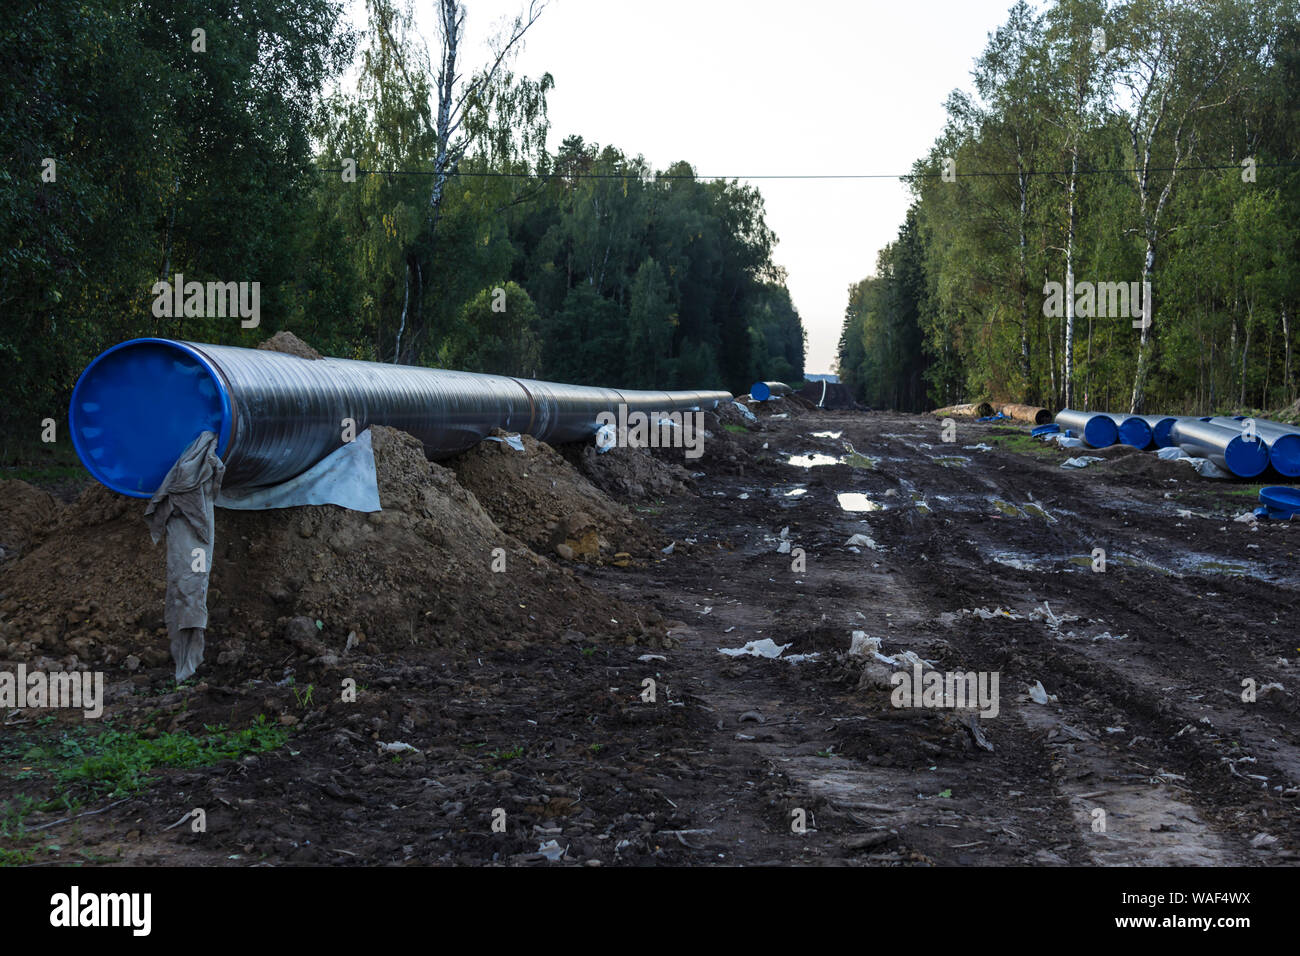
{"points": [[1243, 449], [969, 410], [138, 405]]}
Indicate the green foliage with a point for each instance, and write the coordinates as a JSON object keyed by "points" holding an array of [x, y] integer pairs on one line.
{"points": [[226, 165], [117, 762], [960, 295]]}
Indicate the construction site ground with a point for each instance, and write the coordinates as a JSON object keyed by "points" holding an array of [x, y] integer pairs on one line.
{"points": [[521, 693]]}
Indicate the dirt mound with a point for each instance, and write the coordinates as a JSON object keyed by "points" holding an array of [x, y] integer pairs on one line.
{"points": [[432, 568], [26, 513], [285, 341], [538, 497], [631, 473], [729, 413]]}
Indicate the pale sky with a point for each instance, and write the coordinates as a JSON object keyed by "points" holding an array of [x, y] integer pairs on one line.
{"points": [[759, 87]]}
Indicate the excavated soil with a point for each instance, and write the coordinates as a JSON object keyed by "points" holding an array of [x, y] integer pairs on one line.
{"points": [[534, 699], [537, 496]]}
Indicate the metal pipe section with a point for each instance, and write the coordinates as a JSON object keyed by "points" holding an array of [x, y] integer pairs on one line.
{"points": [[1132, 430], [1160, 425], [138, 405], [1283, 442], [762, 391], [1095, 429], [1223, 445]]}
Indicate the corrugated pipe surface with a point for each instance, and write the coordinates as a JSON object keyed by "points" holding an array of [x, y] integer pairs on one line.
{"points": [[139, 405]]}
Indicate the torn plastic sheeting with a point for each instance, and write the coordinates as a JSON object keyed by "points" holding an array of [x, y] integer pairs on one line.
{"points": [[1063, 439], [1203, 466], [346, 477], [761, 648], [517, 443], [1082, 462], [749, 416]]}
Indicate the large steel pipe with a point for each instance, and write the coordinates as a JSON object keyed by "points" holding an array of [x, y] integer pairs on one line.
{"points": [[1283, 442], [762, 391], [1160, 426], [1095, 429], [1132, 429], [138, 405], [1223, 445]]}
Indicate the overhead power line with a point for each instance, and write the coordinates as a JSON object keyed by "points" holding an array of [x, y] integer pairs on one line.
{"points": [[1085, 171]]}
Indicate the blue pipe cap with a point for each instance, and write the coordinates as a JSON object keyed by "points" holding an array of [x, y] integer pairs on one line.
{"points": [[1160, 432], [1100, 432], [1135, 432], [138, 406], [1246, 459], [759, 392], [1284, 455], [1282, 502]]}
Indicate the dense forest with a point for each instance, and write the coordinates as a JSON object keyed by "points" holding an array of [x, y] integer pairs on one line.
{"points": [[413, 213], [1104, 146]]}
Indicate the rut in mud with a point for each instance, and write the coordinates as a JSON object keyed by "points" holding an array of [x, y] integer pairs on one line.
{"points": [[976, 556]]}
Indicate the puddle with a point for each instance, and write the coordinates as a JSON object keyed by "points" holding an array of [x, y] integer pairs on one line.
{"points": [[1220, 567], [1007, 508], [1038, 512], [1028, 510], [853, 501], [855, 458], [811, 460], [1021, 562], [852, 458]]}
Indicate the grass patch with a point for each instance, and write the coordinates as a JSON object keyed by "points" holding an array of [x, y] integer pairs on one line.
{"points": [[109, 765], [736, 429], [117, 763], [1021, 443]]}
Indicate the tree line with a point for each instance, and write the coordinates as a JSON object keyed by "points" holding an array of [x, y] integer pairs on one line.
{"points": [[1106, 150], [415, 215]]}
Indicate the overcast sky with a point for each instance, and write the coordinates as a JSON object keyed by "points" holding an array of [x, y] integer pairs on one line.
{"points": [[752, 87]]}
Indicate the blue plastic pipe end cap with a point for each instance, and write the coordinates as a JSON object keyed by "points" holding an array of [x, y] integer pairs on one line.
{"points": [[1284, 455], [1135, 432], [1282, 502], [1100, 432], [1246, 459], [1161, 432], [759, 392], [138, 406]]}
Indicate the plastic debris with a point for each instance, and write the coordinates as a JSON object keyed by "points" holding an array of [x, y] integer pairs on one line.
{"points": [[1039, 695], [1081, 462], [397, 747], [552, 850], [761, 648]]}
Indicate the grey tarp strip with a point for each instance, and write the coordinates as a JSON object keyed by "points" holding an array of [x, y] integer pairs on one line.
{"points": [[346, 477], [181, 511]]}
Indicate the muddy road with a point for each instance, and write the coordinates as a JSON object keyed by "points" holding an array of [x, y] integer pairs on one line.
{"points": [[1121, 736]]}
